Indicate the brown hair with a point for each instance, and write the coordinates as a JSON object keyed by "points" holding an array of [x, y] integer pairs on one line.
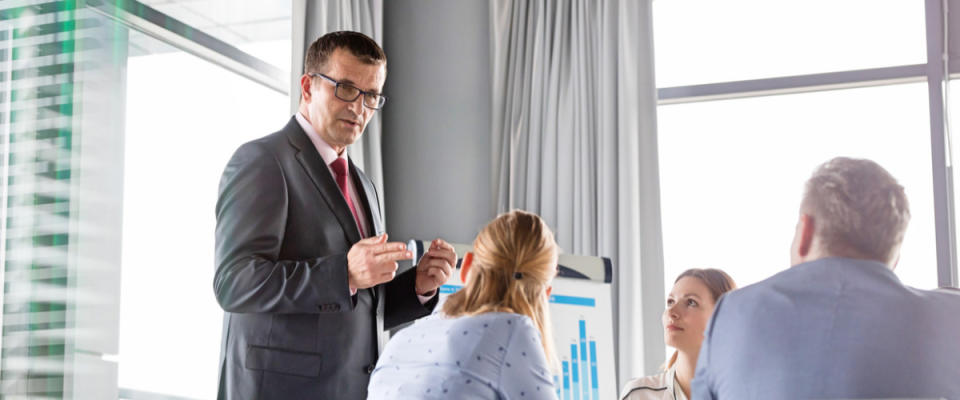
{"points": [[515, 257], [859, 210], [716, 281], [360, 45]]}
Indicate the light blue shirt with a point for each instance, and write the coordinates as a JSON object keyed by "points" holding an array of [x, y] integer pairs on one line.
{"points": [[487, 356], [830, 329]]}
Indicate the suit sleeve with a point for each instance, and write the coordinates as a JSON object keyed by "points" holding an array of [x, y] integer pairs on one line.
{"points": [[703, 386], [251, 217], [402, 304]]}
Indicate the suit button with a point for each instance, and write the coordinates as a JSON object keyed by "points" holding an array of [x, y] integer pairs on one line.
{"points": [[370, 369]]}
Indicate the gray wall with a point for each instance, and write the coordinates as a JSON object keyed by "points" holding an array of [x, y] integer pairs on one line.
{"points": [[953, 42], [436, 124]]}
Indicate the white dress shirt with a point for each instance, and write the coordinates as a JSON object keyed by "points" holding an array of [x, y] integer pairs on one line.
{"points": [[329, 155]]}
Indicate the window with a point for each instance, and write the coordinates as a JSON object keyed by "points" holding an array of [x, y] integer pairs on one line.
{"points": [[732, 178], [953, 120], [185, 117], [717, 41]]}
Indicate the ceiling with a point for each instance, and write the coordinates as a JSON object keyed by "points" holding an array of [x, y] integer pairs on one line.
{"points": [[236, 22]]}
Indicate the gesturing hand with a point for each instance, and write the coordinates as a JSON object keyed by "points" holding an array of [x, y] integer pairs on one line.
{"points": [[435, 267], [373, 261]]}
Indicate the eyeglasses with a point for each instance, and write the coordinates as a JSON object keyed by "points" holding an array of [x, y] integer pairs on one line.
{"points": [[349, 93]]}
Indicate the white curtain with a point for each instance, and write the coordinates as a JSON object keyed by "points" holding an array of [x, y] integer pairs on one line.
{"points": [[314, 18], [574, 139]]}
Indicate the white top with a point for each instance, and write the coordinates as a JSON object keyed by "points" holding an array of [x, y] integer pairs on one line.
{"points": [[654, 387]]}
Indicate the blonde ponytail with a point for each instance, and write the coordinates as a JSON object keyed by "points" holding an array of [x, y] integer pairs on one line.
{"points": [[515, 258]]}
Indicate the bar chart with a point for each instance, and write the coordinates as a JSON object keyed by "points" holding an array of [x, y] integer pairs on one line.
{"points": [[582, 320], [579, 369]]}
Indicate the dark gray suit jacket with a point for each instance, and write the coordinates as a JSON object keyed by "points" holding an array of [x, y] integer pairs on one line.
{"points": [[291, 328]]}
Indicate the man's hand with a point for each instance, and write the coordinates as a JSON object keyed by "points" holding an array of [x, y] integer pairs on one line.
{"points": [[373, 261], [435, 267]]}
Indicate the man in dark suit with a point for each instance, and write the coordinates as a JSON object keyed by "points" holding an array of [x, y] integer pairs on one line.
{"points": [[304, 272]]}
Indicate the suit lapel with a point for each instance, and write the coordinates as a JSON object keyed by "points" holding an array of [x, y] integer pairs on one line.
{"points": [[312, 163], [369, 198]]}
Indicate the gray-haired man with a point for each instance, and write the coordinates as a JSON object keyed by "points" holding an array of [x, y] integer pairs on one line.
{"points": [[838, 324]]}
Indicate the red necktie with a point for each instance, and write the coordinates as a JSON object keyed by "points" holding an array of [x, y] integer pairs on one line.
{"points": [[339, 167]]}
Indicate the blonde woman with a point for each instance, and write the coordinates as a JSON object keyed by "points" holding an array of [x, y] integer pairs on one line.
{"points": [[492, 338], [689, 307]]}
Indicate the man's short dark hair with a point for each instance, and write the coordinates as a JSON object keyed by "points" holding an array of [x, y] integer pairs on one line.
{"points": [[358, 44]]}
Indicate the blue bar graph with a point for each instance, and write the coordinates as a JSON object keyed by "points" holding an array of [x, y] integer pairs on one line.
{"points": [[593, 370], [575, 371], [584, 363], [580, 378], [573, 300]]}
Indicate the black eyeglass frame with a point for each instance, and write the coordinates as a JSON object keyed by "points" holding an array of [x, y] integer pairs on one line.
{"points": [[360, 92]]}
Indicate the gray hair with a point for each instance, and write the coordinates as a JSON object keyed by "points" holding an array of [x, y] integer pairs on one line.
{"points": [[859, 210]]}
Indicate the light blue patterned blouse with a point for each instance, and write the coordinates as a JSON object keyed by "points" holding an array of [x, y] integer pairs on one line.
{"points": [[487, 356]]}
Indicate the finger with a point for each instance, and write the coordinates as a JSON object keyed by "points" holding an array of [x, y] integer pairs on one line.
{"points": [[444, 254], [441, 244], [442, 264], [446, 271], [386, 277], [444, 250], [389, 247], [437, 266], [439, 275], [374, 239], [393, 256], [429, 280]]}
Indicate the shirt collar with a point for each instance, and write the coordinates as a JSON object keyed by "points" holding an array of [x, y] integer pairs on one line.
{"points": [[326, 151], [672, 383]]}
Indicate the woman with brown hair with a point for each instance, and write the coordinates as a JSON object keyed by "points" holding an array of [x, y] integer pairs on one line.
{"points": [[689, 307], [492, 338]]}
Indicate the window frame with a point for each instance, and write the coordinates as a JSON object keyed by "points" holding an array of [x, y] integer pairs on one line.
{"points": [[934, 72]]}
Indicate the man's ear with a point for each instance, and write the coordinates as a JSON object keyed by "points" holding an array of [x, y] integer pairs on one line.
{"points": [[893, 265], [305, 83], [465, 266], [806, 235]]}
